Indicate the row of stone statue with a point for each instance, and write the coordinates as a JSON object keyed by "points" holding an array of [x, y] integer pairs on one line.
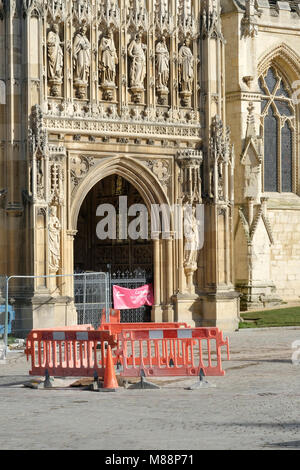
{"points": [[108, 61]]}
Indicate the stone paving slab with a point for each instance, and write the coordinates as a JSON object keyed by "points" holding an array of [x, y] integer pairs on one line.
{"points": [[255, 406]]}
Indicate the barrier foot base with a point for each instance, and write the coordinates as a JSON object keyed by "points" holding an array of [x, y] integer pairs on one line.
{"points": [[143, 384], [2, 352], [47, 383], [96, 385], [202, 383], [108, 389]]}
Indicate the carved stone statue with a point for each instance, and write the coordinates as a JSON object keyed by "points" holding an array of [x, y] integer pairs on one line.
{"points": [[162, 64], [186, 71], [82, 61], [191, 244], [108, 59], [191, 235], [54, 228], [138, 66], [55, 59]]}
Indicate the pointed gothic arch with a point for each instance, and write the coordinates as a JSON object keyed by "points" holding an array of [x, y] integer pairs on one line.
{"points": [[151, 191], [128, 168], [284, 58], [277, 71]]}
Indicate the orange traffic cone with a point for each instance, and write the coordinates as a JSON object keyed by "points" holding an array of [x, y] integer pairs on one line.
{"points": [[110, 379]]}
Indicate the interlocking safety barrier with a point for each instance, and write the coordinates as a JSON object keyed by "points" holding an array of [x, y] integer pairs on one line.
{"points": [[68, 352], [156, 350], [116, 327], [172, 352]]}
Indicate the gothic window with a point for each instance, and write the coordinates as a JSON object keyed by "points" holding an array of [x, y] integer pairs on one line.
{"points": [[278, 124]]}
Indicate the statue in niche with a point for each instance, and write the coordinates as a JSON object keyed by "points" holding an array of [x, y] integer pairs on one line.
{"points": [[82, 60], [191, 235], [40, 178], [108, 59], [186, 71], [191, 244], [162, 64], [138, 62], [55, 58], [54, 228]]}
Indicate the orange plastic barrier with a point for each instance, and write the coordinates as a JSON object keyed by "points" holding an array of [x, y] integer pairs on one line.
{"points": [[114, 316], [116, 327], [68, 353], [171, 352]]}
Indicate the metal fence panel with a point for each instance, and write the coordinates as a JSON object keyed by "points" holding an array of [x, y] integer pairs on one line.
{"points": [[92, 294], [91, 297], [19, 300]]}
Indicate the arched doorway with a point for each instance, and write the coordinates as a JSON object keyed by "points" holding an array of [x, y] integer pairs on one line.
{"points": [[129, 261]]}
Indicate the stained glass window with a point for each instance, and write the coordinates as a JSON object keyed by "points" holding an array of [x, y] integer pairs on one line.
{"points": [[270, 151], [278, 123]]}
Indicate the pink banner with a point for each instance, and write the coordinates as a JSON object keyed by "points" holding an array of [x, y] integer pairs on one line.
{"points": [[125, 299]]}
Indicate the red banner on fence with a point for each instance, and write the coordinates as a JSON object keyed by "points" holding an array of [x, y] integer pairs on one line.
{"points": [[125, 299]]}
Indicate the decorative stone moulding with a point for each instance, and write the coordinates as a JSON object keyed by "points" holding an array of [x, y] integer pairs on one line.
{"points": [[109, 15], [109, 92], [55, 87], [81, 89], [137, 94], [163, 95], [186, 98]]}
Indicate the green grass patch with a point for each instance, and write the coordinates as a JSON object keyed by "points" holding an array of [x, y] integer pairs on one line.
{"points": [[269, 318]]}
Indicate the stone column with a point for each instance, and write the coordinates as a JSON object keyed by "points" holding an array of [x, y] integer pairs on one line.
{"points": [[168, 270], [156, 313]]}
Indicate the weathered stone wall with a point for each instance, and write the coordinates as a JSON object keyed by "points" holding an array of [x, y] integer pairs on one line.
{"points": [[285, 252]]}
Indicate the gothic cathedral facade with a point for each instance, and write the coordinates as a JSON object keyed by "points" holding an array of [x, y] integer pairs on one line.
{"points": [[167, 102]]}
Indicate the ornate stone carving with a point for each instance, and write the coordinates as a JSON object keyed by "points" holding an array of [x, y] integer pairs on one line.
{"points": [[252, 157], [162, 70], [108, 60], [29, 7], [38, 136], [137, 16], [56, 175], [211, 24], [150, 125], [54, 229], [80, 166], [82, 61], [82, 13], [55, 58], [190, 162], [249, 26], [163, 19], [109, 14], [39, 150], [136, 52], [186, 72], [191, 243], [187, 26], [161, 169], [221, 157], [56, 10]]}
